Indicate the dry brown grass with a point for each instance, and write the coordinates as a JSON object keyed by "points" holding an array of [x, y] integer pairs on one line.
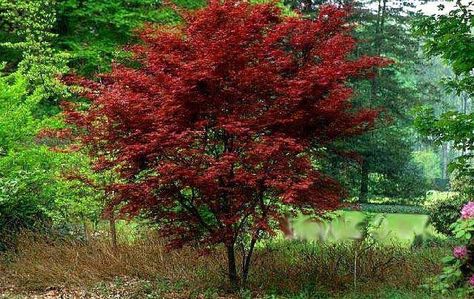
{"points": [[39, 263], [291, 266], [331, 267]]}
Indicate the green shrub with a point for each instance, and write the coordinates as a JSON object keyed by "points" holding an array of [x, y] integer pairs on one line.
{"points": [[411, 201], [462, 184], [392, 209], [407, 182], [443, 209]]}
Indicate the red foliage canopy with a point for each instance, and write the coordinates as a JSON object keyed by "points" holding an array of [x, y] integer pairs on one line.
{"points": [[211, 135]]}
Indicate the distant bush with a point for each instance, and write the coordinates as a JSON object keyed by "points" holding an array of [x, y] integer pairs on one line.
{"points": [[392, 209], [411, 201], [407, 182], [443, 209]]}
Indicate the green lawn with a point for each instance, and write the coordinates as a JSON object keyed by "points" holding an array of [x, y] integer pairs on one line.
{"points": [[400, 228]]}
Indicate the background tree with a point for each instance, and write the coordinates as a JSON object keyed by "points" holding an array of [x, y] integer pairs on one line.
{"points": [[33, 193], [450, 37], [212, 134], [29, 172], [39, 40], [385, 165], [31, 23], [94, 32], [386, 152]]}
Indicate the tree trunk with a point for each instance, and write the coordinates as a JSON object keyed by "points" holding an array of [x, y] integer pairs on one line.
{"points": [[86, 230], [232, 267], [464, 103], [248, 260], [113, 231], [444, 161], [364, 182]]}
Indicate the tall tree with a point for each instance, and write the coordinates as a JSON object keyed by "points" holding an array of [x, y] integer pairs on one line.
{"points": [[31, 25], [387, 151], [214, 135], [449, 35], [383, 27], [94, 32]]}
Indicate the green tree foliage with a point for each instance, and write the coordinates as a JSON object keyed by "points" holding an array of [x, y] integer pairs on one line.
{"points": [[25, 176], [454, 127], [31, 25], [93, 32], [39, 41], [430, 162], [33, 192], [387, 152], [39, 33], [450, 36], [386, 166]]}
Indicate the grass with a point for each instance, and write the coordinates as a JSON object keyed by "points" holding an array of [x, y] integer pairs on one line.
{"points": [[281, 269], [398, 228], [320, 267]]}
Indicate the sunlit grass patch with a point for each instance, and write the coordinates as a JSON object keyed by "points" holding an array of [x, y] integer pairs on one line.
{"points": [[391, 228]]}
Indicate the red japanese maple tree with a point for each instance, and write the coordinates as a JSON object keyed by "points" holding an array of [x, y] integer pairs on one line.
{"points": [[216, 133]]}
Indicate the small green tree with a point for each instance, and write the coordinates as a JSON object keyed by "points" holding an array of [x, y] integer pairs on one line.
{"points": [[31, 26], [34, 194]]}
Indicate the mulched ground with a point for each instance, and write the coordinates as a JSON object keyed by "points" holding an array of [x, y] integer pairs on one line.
{"points": [[129, 289]]}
